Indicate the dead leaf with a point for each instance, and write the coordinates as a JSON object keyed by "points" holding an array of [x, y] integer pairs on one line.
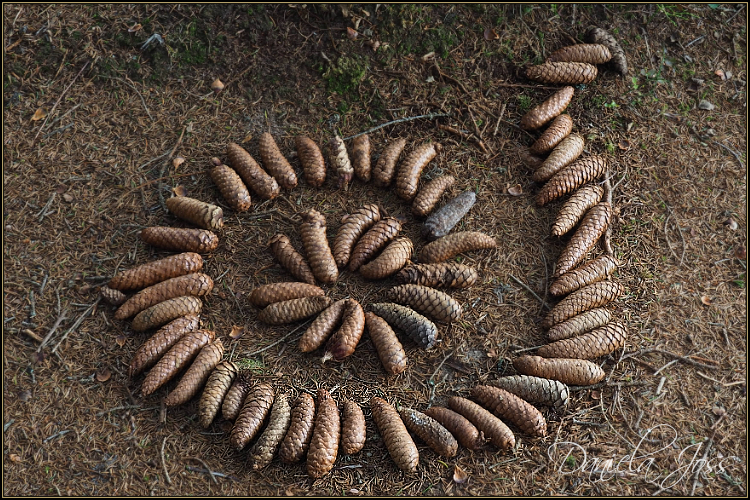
{"points": [[177, 161], [217, 86], [121, 340], [720, 73], [705, 105], [740, 252], [374, 44], [351, 33], [706, 300], [61, 188], [103, 374], [516, 190], [134, 28], [39, 114], [596, 395], [492, 353], [623, 145], [37, 357], [719, 411], [732, 224], [237, 332], [68, 197], [24, 395], [460, 476], [179, 191], [15, 458], [489, 34], [247, 138]]}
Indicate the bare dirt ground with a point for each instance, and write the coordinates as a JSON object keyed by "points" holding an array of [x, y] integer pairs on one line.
{"points": [[93, 117]]}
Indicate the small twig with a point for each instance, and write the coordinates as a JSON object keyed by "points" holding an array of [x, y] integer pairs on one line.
{"points": [[59, 320], [709, 442], [524, 85], [43, 212], [204, 464], [143, 101], [56, 435], [474, 122], [664, 367], [429, 116], [117, 408], [441, 365], [164, 463], [32, 335], [463, 135], [499, 119], [544, 304], [76, 324], [448, 77], [734, 153], [637, 383], [58, 102], [279, 341], [213, 473], [703, 375]]}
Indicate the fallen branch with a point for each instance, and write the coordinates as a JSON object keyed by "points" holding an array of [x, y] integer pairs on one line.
{"points": [[279, 341], [58, 102], [429, 116], [208, 469], [530, 291], [163, 463], [213, 473], [76, 324], [463, 135], [52, 330]]}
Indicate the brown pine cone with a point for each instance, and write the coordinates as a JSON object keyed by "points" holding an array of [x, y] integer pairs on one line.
{"points": [[549, 109], [442, 274], [592, 227], [314, 240], [580, 323], [353, 226], [159, 343], [397, 440], [418, 328], [361, 157], [197, 374], [428, 196], [342, 343], [255, 177], [180, 239], [341, 163], [196, 285], [178, 356], [166, 311], [394, 257], [564, 154], [591, 53], [390, 350], [353, 430], [512, 408], [322, 326], [311, 158], [382, 174], [558, 130], [562, 73], [494, 429], [446, 217], [290, 259], [373, 240], [430, 431], [429, 301], [567, 371], [289, 311], [326, 435], [262, 452], [196, 212], [231, 187], [465, 432], [588, 297], [597, 35], [297, 438], [595, 344], [586, 274], [530, 159], [451, 245], [216, 388], [407, 178], [574, 209], [535, 389], [254, 411], [275, 163], [281, 291], [235, 397], [572, 177]]}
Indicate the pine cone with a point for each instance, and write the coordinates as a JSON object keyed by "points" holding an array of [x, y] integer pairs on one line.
{"points": [[342, 343], [361, 157], [595, 344], [465, 432], [535, 389], [592, 227], [340, 162], [254, 411], [407, 178], [382, 174], [429, 301], [418, 328], [492, 427], [449, 246], [597, 35], [442, 274], [430, 431], [373, 240], [166, 311], [397, 440], [574, 209], [275, 163], [564, 154], [588, 297], [353, 226], [446, 217], [322, 326], [255, 177], [159, 343], [326, 436], [582, 53], [231, 187], [178, 356], [180, 239], [314, 240], [562, 73], [394, 257], [572, 177], [216, 388], [196, 212], [586, 274], [549, 109], [281, 291], [353, 430], [235, 397], [289, 311], [311, 158], [262, 452], [196, 375], [558, 130], [196, 285], [428, 196], [512, 408], [112, 296], [297, 438], [567, 371], [290, 259], [390, 350], [580, 323]]}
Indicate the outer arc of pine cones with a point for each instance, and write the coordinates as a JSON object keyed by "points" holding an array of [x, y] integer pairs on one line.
{"points": [[549, 109], [312, 160], [407, 177], [593, 226], [275, 163], [576, 207], [254, 411], [166, 311], [428, 196], [592, 345], [465, 432], [282, 290], [353, 226], [572, 177], [344, 341], [262, 452], [390, 351], [559, 129], [181, 353], [195, 284], [315, 242], [200, 213], [391, 260], [353, 429], [592, 53], [197, 374], [565, 370], [231, 187], [562, 73], [494, 429], [446, 217], [322, 326], [290, 259], [588, 297], [341, 163], [216, 388], [439, 275], [159, 343], [590, 272], [396, 437], [326, 436], [597, 35], [235, 396], [428, 301], [382, 173], [289, 311], [508, 406], [255, 177], [453, 244], [297, 438], [418, 328], [361, 162], [535, 389], [564, 154], [181, 239], [373, 240], [158, 270], [580, 323], [430, 431]]}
